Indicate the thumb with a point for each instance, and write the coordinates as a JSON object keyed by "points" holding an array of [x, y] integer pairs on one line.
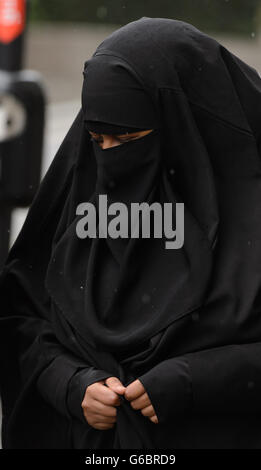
{"points": [[115, 384]]}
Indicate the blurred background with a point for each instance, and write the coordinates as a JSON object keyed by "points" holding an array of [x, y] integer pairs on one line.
{"points": [[61, 34]]}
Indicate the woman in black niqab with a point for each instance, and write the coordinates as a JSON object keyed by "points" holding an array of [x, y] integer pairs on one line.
{"points": [[184, 322]]}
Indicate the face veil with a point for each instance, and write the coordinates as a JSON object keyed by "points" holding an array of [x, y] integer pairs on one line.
{"points": [[185, 320]]}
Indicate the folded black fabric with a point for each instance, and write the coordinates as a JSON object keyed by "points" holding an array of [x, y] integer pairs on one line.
{"points": [[185, 321]]}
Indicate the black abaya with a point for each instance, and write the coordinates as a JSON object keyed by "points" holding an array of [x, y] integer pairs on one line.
{"points": [[185, 322]]}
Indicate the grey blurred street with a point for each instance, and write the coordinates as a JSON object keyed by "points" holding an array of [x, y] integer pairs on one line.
{"points": [[59, 53]]}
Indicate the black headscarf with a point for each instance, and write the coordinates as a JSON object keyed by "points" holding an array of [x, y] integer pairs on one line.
{"points": [[118, 274], [125, 305]]}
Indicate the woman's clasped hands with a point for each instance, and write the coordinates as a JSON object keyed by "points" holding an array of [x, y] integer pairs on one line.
{"points": [[102, 398]]}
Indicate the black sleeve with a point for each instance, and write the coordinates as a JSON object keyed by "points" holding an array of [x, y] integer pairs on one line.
{"points": [[220, 380], [77, 387], [41, 357], [62, 384]]}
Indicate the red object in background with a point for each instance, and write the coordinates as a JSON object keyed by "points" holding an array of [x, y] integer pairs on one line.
{"points": [[12, 19]]}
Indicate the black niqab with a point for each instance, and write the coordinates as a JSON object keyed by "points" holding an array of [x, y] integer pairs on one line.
{"points": [[185, 322], [135, 268]]}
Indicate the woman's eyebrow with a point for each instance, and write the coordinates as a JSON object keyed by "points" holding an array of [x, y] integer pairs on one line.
{"points": [[132, 134]]}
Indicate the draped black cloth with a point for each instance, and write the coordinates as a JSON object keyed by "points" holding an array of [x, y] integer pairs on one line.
{"points": [[185, 322]]}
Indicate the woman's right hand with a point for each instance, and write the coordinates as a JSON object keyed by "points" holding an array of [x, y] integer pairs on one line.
{"points": [[100, 402]]}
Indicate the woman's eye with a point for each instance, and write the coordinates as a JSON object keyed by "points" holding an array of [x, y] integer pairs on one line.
{"points": [[93, 139], [121, 140], [126, 139]]}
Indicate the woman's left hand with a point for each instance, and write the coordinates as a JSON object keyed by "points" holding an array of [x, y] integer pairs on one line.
{"points": [[136, 394]]}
